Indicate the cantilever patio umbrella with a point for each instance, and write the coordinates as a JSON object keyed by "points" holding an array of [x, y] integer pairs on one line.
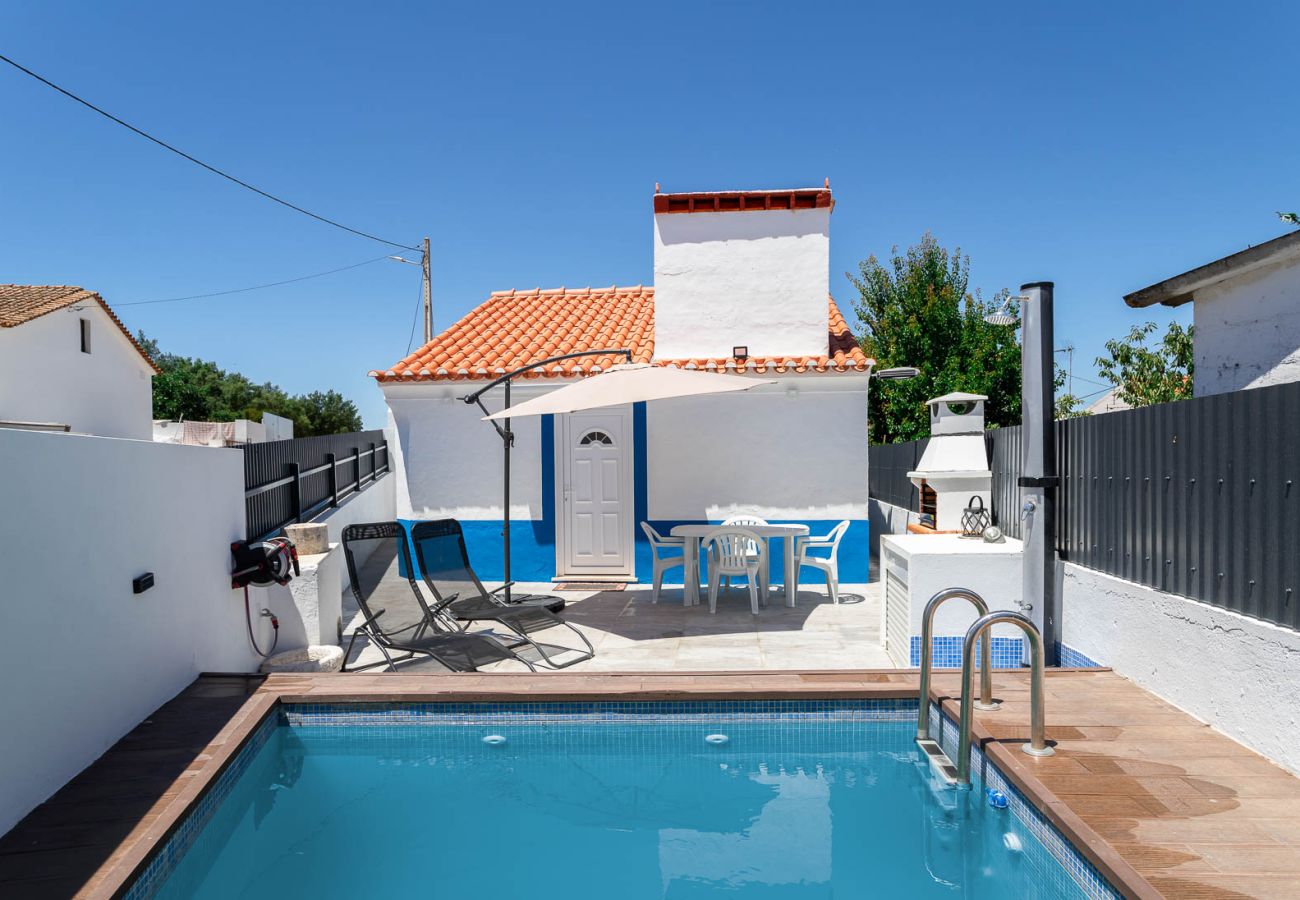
{"points": [[625, 383]]}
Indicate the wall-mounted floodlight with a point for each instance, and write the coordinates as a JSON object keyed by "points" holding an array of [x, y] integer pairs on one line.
{"points": [[1003, 315], [898, 373]]}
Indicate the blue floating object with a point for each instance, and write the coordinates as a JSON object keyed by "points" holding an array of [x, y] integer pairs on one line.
{"points": [[716, 740], [997, 799], [494, 740]]}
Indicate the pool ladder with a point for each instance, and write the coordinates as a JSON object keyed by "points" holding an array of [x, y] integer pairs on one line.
{"points": [[959, 774]]}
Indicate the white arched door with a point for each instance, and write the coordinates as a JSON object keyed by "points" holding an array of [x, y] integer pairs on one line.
{"points": [[594, 506]]}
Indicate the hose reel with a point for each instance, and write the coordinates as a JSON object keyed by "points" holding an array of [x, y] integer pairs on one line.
{"points": [[263, 563]]}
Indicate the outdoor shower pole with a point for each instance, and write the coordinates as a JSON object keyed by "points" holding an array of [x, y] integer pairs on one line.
{"points": [[1038, 479], [509, 439]]}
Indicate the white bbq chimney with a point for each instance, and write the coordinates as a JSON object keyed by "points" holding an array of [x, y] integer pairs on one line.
{"points": [[955, 464]]}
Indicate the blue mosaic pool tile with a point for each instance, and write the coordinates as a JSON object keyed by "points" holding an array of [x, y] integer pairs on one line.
{"points": [[1072, 659], [945, 651], [597, 712], [165, 859], [985, 774]]}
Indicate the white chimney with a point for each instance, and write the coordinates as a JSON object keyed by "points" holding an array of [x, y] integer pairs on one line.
{"points": [[742, 269]]}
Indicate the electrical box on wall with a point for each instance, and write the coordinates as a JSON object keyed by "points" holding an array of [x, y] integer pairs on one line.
{"points": [[142, 583]]}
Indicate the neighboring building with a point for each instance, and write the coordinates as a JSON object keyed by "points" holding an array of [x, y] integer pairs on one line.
{"points": [[1246, 313], [223, 434], [67, 360], [742, 286], [1107, 402]]}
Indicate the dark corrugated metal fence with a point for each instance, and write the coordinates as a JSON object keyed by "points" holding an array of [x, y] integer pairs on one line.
{"points": [[887, 468], [289, 481], [1199, 498]]}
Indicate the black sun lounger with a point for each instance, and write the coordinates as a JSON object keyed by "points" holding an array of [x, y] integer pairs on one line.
{"points": [[396, 617], [459, 596]]}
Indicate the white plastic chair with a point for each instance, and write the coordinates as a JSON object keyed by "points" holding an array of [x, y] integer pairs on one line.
{"points": [[729, 555], [827, 564], [662, 563], [746, 521]]}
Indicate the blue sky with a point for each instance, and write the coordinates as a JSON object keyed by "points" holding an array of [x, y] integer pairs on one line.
{"points": [[1101, 146]]}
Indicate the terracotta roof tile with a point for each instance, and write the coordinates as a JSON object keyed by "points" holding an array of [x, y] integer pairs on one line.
{"points": [[513, 328], [20, 303]]}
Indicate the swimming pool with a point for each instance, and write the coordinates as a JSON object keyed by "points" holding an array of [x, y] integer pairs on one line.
{"points": [[770, 799]]}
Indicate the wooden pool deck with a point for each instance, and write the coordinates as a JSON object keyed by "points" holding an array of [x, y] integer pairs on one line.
{"points": [[1162, 804]]}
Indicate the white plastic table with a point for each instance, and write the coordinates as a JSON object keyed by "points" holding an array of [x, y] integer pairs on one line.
{"points": [[693, 534]]}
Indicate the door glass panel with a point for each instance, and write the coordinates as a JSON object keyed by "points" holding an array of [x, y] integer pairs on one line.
{"points": [[596, 437]]}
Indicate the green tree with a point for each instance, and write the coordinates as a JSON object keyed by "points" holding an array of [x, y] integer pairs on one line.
{"points": [[1142, 374], [327, 412], [1068, 406], [196, 389], [918, 312]]}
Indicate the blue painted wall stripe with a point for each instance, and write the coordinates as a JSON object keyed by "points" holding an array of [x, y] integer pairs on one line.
{"points": [[545, 531], [533, 551], [643, 561]]}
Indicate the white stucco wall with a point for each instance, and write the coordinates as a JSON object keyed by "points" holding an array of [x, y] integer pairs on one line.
{"points": [[377, 503], [448, 461], [796, 449], [759, 279], [44, 376], [1238, 674], [88, 658], [317, 597], [1248, 330]]}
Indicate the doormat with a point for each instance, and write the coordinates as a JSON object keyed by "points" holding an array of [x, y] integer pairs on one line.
{"points": [[589, 586]]}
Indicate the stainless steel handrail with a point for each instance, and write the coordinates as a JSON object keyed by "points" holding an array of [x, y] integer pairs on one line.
{"points": [[1037, 745], [927, 640]]}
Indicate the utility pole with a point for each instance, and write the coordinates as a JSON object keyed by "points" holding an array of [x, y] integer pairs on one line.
{"points": [[428, 295]]}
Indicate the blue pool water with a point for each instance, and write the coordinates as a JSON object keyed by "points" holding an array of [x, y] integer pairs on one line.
{"points": [[634, 807]]}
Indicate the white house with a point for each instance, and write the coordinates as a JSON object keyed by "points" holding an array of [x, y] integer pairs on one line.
{"points": [[67, 361], [1246, 313], [223, 434], [741, 286]]}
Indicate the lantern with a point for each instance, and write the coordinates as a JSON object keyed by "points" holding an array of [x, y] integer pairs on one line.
{"points": [[974, 518]]}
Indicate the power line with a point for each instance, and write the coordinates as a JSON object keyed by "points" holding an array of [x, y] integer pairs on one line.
{"points": [[1102, 384], [411, 340], [199, 162], [256, 287]]}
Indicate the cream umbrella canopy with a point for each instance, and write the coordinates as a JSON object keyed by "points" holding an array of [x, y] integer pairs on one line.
{"points": [[629, 383], [625, 383]]}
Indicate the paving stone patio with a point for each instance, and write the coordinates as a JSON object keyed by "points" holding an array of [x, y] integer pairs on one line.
{"points": [[631, 634]]}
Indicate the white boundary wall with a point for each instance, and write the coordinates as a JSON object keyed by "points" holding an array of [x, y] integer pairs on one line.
{"points": [[87, 659], [1240, 675]]}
